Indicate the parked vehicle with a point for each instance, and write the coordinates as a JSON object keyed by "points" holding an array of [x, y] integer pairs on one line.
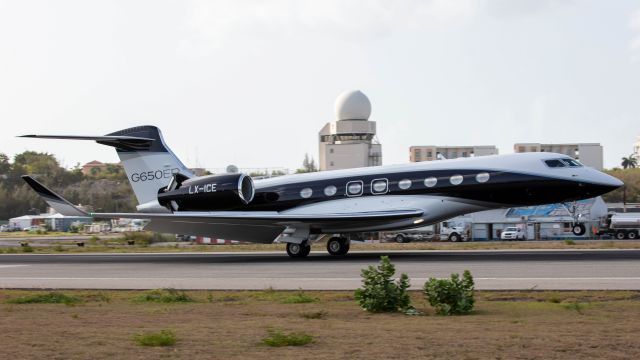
{"points": [[621, 226], [408, 235], [448, 232], [513, 233]]}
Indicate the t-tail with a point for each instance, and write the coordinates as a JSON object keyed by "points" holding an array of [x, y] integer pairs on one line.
{"points": [[147, 160]]}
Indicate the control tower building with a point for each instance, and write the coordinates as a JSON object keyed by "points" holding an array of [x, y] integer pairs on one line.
{"points": [[350, 141]]}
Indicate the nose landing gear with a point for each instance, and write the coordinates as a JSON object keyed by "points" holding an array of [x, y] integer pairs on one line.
{"points": [[577, 227]]}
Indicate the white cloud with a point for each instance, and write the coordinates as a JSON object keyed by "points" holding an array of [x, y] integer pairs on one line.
{"points": [[634, 44], [218, 21]]}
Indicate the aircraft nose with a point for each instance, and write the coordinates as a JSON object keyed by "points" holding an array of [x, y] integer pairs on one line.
{"points": [[605, 182]]}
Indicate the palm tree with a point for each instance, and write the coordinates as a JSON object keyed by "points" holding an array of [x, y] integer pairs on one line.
{"points": [[629, 162]]}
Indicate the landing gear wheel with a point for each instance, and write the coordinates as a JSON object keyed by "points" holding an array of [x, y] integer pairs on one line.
{"points": [[632, 235], [621, 235], [401, 239], [298, 250], [578, 229], [454, 237], [338, 246]]}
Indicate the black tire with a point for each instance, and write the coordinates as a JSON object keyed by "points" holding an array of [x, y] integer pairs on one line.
{"points": [[338, 246], [578, 229], [621, 235], [298, 250], [632, 235], [454, 237], [401, 239]]}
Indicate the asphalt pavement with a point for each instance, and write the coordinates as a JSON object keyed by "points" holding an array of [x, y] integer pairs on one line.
{"points": [[492, 269]]}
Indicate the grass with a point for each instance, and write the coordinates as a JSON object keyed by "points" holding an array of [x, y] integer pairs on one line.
{"points": [[164, 296], [314, 315], [118, 244], [48, 298], [508, 324], [277, 338], [299, 298], [162, 338]]}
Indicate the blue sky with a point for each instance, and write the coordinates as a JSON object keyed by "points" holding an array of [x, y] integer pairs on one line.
{"points": [[252, 82]]}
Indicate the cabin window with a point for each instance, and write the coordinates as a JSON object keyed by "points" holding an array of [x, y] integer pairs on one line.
{"points": [[306, 193], [354, 188], [483, 177], [330, 190], [430, 181], [379, 186], [456, 179], [404, 184]]}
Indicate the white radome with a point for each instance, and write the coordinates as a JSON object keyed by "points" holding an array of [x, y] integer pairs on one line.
{"points": [[352, 105]]}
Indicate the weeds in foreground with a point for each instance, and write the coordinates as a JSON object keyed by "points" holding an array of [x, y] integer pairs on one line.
{"points": [[576, 306], [165, 296], [299, 298], [314, 314], [48, 298], [277, 338], [162, 338], [27, 248], [569, 242]]}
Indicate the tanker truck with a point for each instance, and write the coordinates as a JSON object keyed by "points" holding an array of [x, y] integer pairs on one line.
{"points": [[621, 226]]}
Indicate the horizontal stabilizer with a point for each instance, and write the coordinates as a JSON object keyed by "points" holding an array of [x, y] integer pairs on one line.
{"points": [[54, 200], [120, 142]]}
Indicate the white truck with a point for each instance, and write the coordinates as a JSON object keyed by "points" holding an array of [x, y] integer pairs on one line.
{"points": [[448, 232], [621, 226]]}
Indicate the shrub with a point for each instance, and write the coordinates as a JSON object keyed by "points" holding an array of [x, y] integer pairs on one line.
{"points": [[576, 306], [451, 297], [278, 338], [569, 242], [162, 338], [58, 248], [165, 296], [48, 298], [379, 292], [27, 248]]}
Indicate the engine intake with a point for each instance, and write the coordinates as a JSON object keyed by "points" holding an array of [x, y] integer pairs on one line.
{"points": [[213, 192]]}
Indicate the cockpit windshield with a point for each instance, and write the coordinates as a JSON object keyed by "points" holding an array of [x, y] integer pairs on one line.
{"points": [[562, 163], [572, 162], [555, 163]]}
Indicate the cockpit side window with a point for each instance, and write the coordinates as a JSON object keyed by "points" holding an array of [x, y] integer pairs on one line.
{"points": [[555, 163], [572, 162]]}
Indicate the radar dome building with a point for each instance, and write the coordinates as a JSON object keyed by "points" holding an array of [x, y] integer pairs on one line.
{"points": [[350, 141]]}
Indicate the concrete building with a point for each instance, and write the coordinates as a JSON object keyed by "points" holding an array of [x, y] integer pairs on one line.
{"points": [[431, 152], [56, 222], [350, 141], [541, 222], [590, 154]]}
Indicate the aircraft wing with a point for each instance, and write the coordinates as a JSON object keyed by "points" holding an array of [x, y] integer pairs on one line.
{"points": [[257, 226]]}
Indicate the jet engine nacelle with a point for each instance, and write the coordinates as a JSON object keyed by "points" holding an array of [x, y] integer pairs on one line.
{"points": [[214, 192]]}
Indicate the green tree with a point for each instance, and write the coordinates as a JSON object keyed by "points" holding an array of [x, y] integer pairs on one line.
{"points": [[629, 162], [308, 165]]}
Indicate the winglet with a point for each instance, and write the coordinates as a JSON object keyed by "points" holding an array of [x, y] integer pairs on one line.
{"points": [[54, 200]]}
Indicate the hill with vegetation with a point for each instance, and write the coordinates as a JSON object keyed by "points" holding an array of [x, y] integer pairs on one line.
{"points": [[630, 192], [104, 189]]}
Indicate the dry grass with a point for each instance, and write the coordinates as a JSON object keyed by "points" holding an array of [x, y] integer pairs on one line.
{"points": [[117, 246], [232, 325]]}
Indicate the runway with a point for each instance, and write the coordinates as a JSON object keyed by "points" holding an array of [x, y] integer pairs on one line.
{"points": [[492, 270]]}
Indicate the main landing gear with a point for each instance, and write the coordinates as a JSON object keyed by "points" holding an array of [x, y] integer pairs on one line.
{"points": [[338, 246], [298, 250]]}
